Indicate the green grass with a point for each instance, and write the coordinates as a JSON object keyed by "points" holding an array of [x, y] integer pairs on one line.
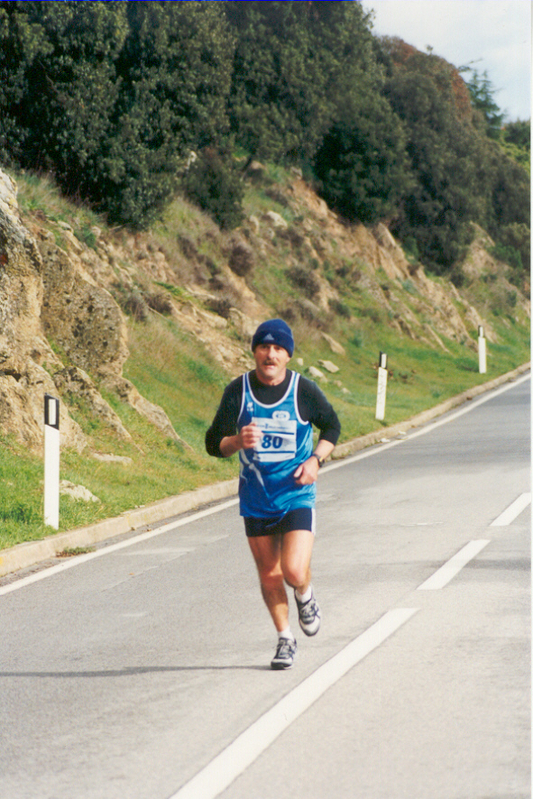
{"points": [[168, 369]]}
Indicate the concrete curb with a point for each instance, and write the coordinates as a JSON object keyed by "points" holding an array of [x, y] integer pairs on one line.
{"points": [[32, 552]]}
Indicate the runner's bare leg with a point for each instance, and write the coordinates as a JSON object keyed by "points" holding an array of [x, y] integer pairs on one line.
{"points": [[280, 559]]}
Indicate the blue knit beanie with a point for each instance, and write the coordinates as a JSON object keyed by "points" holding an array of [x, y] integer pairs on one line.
{"points": [[274, 331]]}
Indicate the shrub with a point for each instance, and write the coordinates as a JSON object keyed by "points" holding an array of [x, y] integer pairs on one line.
{"points": [[214, 184], [508, 254], [306, 281], [241, 257], [339, 308], [357, 339], [132, 302], [310, 312], [159, 302], [221, 306]]}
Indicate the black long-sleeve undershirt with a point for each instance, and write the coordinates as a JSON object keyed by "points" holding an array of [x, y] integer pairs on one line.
{"points": [[313, 406]]}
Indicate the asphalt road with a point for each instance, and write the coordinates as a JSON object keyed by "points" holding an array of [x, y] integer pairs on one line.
{"points": [[141, 671]]}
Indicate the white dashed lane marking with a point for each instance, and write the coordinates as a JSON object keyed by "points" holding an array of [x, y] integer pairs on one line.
{"points": [[513, 511], [450, 569]]}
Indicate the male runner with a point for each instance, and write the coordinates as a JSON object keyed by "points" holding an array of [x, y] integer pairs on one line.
{"points": [[267, 415]]}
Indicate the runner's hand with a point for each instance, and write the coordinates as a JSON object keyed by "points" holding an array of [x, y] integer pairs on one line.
{"points": [[307, 472], [250, 436]]}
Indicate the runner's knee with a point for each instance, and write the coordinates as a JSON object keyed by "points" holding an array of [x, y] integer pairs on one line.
{"points": [[295, 574]]}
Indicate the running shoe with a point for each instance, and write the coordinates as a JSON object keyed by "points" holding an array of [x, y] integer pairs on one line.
{"points": [[285, 654], [309, 615]]}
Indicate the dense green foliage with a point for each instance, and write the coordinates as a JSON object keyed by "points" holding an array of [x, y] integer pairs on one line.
{"points": [[482, 96], [58, 83], [461, 175], [213, 182], [443, 159], [362, 164], [296, 66], [175, 69], [113, 98]]}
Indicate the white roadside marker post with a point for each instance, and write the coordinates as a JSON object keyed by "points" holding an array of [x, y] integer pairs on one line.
{"points": [[382, 386], [482, 350], [51, 461]]}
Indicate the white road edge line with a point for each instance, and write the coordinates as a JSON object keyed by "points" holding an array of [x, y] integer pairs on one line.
{"points": [[76, 561], [241, 753], [452, 567], [514, 510]]}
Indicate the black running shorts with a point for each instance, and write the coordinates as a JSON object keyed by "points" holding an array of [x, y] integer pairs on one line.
{"points": [[297, 519]]}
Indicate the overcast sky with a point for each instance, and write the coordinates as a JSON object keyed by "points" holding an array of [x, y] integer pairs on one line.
{"points": [[495, 34]]}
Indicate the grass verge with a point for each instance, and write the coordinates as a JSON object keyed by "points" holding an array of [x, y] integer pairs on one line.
{"points": [[174, 372]]}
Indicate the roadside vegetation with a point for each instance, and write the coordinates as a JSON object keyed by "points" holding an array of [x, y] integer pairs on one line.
{"points": [[172, 369], [148, 119]]}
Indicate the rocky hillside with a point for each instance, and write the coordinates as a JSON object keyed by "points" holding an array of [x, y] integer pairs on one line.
{"points": [[65, 298]]}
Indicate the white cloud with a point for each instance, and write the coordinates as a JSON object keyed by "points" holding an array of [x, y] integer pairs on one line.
{"points": [[495, 34]]}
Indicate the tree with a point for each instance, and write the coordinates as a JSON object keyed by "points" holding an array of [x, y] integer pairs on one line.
{"points": [[519, 133], [295, 62], [514, 247], [214, 183], [362, 165], [111, 97], [65, 81], [451, 160], [58, 79], [482, 97], [175, 71], [510, 192], [516, 141], [20, 43]]}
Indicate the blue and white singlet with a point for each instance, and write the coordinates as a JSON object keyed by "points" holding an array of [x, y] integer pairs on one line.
{"points": [[267, 488]]}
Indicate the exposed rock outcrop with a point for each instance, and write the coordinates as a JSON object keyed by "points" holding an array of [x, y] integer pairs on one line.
{"points": [[23, 346], [74, 384], [50, 296], [378, 249], [79, 316]]}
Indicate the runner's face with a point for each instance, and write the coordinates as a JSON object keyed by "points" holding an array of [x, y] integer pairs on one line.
{"points": [[271, 363]]}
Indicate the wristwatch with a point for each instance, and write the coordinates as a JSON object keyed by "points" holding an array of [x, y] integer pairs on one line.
{"points": [[319, 459]]}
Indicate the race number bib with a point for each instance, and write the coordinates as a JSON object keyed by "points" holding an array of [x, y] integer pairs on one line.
{"points": [[278, 442]]}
